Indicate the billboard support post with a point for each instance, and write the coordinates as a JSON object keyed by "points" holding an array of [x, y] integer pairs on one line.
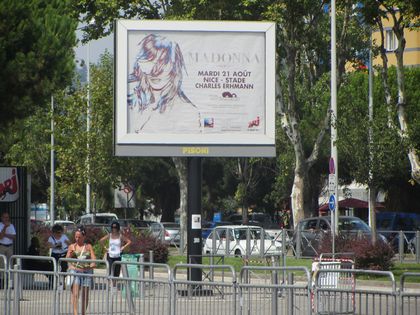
{"points": [[194, 248]]}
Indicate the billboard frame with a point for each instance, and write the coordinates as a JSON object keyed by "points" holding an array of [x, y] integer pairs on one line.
{"points": [[211, 145]]}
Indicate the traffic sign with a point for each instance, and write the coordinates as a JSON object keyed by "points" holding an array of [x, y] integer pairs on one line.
{"points": [[331, 166], [331, 203], [332, 184]]}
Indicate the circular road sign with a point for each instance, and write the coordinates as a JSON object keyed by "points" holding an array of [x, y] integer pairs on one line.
{"points": [[331, 166], [331, 203]]}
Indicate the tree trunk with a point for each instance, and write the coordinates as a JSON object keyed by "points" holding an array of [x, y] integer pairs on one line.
{"points": [[300, 197], [181, 165], [402, 116], [398, 29]]}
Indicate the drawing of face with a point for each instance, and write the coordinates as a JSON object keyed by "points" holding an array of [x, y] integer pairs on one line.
{"points": [[157, 74]]}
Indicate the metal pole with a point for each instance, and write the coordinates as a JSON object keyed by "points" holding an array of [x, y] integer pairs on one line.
{"points": [[52, 170], [194, 249], [334, 217], [371, 191], [87, 131]]}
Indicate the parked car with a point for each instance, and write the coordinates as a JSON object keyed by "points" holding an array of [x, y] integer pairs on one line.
{"points": [[233, 240], [312, 231], [134, 222], [155, 228], [98, 218], [172, 233], [391, 223], [68, 226], [208, 226]]}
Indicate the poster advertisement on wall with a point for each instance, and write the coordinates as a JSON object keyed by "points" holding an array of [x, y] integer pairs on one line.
{"points": [[9, 185]]}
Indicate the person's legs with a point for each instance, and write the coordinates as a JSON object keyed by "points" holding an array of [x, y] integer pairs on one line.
{"points": [[75, 297], [117, 268], [85, 299]]}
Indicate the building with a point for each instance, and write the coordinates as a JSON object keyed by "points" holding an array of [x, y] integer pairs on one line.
{"points": [[412, 47]]}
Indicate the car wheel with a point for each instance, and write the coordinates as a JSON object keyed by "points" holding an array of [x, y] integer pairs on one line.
{"points": [[238, 253]]}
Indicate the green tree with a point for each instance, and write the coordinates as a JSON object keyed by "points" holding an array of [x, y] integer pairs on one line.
{"points": [[403, 15], [36, 54], [304, 114], [385, 167], [30, 146]]}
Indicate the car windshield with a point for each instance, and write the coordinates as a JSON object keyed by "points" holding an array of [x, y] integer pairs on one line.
{"points": [[171, 225], [352, 224], [240, 234], [384, 224], [104, 219]]}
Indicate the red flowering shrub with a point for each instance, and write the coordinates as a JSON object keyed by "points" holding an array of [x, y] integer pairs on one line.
{"points": [[367, 255], [142, 242]]}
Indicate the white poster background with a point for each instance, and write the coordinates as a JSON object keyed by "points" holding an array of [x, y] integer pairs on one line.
{"points": [[9, 185], [195, 221], [215, 54], [224, 80]]}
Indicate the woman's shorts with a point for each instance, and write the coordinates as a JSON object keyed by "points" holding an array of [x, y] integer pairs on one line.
{"points": [[79, 279]]}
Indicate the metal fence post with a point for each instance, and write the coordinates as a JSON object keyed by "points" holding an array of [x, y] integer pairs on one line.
{"points": [[298, 243], [283, 253], [16, 284], [401, 246], [290, 298], [274, 302], [417, 249], [151, 268], [141, 276]]}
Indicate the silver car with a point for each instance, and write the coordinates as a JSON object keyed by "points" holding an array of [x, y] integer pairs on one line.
{"points": [[172, 233]]}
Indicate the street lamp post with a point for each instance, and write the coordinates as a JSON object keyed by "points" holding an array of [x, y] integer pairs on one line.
{"points": [[52, 168], [87, 131], [334, 213]]}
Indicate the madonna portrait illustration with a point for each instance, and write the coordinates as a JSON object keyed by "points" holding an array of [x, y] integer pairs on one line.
{"points": [[156, 101]]}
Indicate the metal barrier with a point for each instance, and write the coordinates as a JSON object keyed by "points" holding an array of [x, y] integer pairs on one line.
{"points": [[361, 299], [274, 298], [37, 286], [204, 297], [409, 298], [144, 288], [3, 284], [406, 244], [85, 292], [32, 285]]}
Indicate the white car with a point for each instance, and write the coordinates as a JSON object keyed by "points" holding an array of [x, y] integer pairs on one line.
{"points": [[237, 239]]}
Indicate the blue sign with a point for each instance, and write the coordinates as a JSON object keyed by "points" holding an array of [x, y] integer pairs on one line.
{"points": [[217, 217], [331, 203]]}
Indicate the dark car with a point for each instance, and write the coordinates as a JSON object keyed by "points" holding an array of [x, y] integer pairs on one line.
{"points": [[311, 231], [391, 223]]}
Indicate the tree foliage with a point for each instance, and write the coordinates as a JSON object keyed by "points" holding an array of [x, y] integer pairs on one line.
{"points": [[36, 54]]}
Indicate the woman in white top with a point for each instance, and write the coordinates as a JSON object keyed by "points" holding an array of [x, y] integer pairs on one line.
{"points": [[117, 242], [59, 243]]}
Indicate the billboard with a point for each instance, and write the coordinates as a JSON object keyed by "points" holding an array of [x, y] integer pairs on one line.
{"points": [[124, 196], [194, 88]]}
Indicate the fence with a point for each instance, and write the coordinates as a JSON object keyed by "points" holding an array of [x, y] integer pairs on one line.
{"points": [[406, 244], [147, 288]]}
